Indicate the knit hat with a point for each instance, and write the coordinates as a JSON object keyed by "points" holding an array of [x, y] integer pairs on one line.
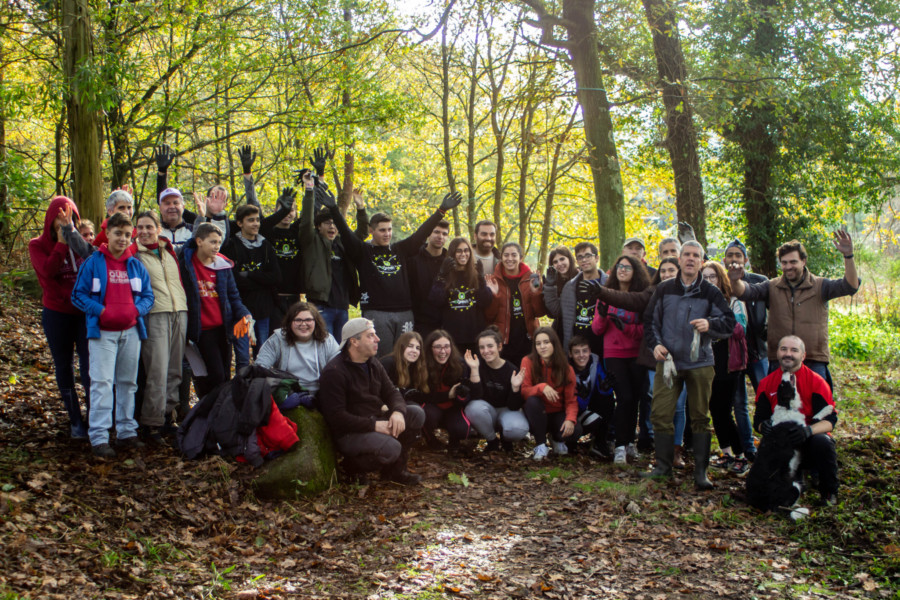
{"points": [[737, 244], [169, 192], [116, 197], [354, 327]]}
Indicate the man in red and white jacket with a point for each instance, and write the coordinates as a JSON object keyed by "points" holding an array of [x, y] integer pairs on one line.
{"points": [[814, 439]]}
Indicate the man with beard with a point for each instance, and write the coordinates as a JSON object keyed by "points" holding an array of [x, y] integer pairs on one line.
{"points": [[486, 245]]}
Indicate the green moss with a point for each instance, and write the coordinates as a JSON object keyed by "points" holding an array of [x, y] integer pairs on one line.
{"points": [[309, 468]]}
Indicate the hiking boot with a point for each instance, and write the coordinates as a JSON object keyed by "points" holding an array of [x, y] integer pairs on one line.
{"points": [[724, 461], [131, 442], [541, 452], [492, 446], [404, 477], [78, 428], [620, 457], [665, 453], [701, 443], [600, 451], [631, 452], [156, 438], [103, 451], [507, 446], [678, 459], [560, 448], [739, 466]]}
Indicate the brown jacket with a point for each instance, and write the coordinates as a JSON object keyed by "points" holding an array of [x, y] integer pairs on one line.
{"points": [[498, 312], [800, 311]]}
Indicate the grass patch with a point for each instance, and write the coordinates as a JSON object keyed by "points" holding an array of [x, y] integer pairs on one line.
{"points": [[613, 489], [551, 474]]}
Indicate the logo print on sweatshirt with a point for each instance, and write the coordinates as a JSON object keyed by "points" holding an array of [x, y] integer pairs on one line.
{"points": [[207, 289], [462, 299], [286, 250], [364, 298], [387, 265], [251, 266]]}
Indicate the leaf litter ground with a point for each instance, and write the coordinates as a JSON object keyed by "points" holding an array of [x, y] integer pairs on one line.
{"points": [[150, 525]]}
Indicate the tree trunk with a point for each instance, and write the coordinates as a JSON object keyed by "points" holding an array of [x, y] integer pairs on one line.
{"points": [[4, 190], [84, 131], [681, 137], [598, 128], [526, 143], [445, 121], [345, 192], [759, 151]]}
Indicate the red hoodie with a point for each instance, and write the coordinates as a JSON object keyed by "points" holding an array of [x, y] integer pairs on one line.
{"points": [[54, 262]]}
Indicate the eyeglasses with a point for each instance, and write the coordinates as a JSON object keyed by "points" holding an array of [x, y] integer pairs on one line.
{"points": [[624, 267], [463, 251], [441, 348], [583, 257], [712, 277], [303, 321]]}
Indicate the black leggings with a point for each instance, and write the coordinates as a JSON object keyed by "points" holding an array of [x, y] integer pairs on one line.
{"points": [[451, 419], [630, 384], [721, 408], [539, 421]]}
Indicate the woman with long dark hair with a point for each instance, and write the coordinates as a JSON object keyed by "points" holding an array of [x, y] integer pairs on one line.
{"points": [[562, 268], [302, 346], [405, 367], [726, 380], [447, 396], [623, 331], [461, 294], [548, 386]]}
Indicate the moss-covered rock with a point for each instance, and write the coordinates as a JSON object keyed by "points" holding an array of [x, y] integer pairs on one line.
{"points": [[308, 468]]}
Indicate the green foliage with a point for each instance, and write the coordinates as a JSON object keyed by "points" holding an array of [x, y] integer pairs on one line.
{"points": [[860, 337], [462, 480]]}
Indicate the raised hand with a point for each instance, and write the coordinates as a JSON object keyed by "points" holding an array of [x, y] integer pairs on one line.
{"points": [[299, 175], [325, 197], [843, 242], [491, 282], [450, 201], [516, 379], [319, 160], [248, 157], [686, 232], [550, 277], [288, 195], [65, 215], [216, 201], [447, 265], [358, 198], [164, 157], [471, 360], [125, 188], [735, 271]]}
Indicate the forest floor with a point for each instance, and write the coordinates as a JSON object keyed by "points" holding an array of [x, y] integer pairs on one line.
{"points": [[151, 525]]}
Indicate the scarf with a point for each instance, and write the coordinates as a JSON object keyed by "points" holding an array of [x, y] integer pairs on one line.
{"points": [[250, 245]]}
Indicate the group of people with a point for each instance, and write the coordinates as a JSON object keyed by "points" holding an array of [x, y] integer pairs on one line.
{"points": [[450, 339]]}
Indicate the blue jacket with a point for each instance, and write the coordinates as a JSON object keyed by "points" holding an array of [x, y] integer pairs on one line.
{"points": [[89, 293], [229, 298]]}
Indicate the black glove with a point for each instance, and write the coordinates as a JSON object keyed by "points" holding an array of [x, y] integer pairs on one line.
{"points": [[247, 156], [450, 201], [535, 281], [588, 287], [446, 266], [550, 277], [765, 427], [617, 322], [799, 434], [318, 160], [325, 197], [298, 175], [686, 232], [288, 195], [463, 391], [164, 156]]}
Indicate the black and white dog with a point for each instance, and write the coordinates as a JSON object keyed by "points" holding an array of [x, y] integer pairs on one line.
{"points": [[772, 483]]}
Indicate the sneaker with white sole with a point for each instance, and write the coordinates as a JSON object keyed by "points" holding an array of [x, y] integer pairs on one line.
{"points": [[541, 452], [560, 448], [619, 457], [631, 452]]}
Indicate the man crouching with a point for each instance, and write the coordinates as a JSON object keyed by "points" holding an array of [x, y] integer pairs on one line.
{"points": [[372, 425], [811, 436]]}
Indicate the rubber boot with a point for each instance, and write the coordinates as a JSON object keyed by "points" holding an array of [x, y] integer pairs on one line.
{"points": [[701, 445], [679, 458], [184, 394], [77, 425], [665, 453]]}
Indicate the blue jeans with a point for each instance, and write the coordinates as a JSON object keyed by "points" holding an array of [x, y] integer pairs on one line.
{"points": [[756, 371], [242, 345], [680, 419], [645, 427], [66, 335], [114, 361], [335, 319]]}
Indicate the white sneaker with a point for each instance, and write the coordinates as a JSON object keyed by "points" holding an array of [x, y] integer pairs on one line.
{"points": [[619, 458], [631, 452], [540, 452], [560, 448]]}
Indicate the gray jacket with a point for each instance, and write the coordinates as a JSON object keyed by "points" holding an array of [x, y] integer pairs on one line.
{"points": [[672, 307], [562, 305]]}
